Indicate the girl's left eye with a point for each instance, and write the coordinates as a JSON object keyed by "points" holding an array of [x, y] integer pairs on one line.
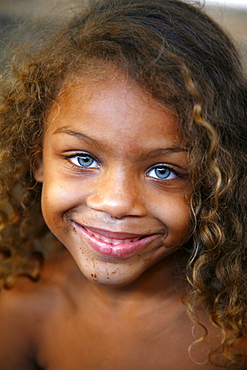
{"points": [[83, 160], [163, 172]]}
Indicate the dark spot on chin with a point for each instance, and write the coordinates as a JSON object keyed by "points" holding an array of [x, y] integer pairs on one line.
{"points": [[94, 276]]}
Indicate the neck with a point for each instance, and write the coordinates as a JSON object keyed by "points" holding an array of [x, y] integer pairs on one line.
{"points": [[162, 282]]}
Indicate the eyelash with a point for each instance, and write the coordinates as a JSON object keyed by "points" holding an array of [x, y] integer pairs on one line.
{"points": [[78, 156], [163, 167]]}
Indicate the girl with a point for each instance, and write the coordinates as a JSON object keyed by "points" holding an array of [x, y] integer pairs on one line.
{"points": [[129, 127]]}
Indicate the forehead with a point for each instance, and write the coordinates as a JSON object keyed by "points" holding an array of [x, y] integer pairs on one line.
{"points": [[115, 102]]}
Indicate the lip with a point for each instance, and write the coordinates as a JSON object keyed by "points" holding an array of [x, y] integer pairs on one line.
{"points": [[114, 244]]}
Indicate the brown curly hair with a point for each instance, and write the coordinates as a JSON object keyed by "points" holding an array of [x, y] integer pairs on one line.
{"points": [[183, 59]]}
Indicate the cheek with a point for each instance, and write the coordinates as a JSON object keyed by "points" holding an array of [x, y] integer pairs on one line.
{"points": [[175, 214], [57, 198]]}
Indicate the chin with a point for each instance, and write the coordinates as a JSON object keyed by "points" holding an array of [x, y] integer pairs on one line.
{"points": [[113, 277]]}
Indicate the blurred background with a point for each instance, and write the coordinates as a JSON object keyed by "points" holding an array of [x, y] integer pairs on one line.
{"points": [[231, 14]]}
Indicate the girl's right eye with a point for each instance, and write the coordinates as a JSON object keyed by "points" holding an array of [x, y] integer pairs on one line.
{"points": [[83, 160]]}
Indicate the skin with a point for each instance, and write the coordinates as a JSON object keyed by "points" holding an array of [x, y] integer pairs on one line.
{"points": [[102, 307], [119, 194]]}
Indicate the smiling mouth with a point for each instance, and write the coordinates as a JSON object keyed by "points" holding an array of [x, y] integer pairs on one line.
{"points": [[113, 238], [114, 244]]}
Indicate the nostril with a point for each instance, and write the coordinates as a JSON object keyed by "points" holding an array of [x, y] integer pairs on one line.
{"points": [[117, 218], [117, 208]]}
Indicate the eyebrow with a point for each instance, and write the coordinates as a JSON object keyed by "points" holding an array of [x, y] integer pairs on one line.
{"points": [[81, 136]]}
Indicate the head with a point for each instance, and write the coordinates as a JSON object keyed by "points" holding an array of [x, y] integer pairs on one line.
{"points": [[183, 61], [114, 195]]}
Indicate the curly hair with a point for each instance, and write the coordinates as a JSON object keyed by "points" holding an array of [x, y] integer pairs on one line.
{"points": [[183, 59]]}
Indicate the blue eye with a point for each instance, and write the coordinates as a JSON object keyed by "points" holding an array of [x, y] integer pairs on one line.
{"points": [[84, 160], [162, 173]]}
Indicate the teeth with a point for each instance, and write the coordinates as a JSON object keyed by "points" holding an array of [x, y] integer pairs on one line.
{"points": [[112, 241]]}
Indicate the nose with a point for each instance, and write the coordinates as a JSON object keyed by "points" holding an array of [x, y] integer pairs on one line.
{"points": [[117, 194]]}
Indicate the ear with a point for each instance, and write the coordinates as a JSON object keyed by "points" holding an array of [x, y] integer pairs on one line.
{"points": [[38, 169]]}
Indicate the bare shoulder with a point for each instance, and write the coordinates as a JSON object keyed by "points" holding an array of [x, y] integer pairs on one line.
{"points": [[240, 347], [24, 307]]}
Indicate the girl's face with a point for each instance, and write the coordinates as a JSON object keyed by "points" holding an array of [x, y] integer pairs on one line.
{"points": [[114, 174]]}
